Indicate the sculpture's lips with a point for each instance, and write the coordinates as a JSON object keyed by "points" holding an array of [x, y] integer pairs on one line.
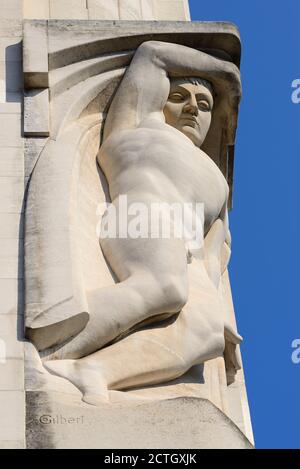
{"points": [[192, 121]]}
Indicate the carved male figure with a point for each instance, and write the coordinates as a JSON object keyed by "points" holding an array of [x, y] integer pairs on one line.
{"points": [[151, 152]]}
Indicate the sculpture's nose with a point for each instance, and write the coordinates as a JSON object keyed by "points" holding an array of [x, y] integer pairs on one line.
{"points": [[192, 106]]}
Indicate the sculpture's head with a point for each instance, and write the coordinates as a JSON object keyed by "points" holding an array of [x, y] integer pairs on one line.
{"points": [[189, 107]]}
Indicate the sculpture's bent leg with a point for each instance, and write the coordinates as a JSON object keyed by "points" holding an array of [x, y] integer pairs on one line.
{"points": [[164, 352], [153, 274]]}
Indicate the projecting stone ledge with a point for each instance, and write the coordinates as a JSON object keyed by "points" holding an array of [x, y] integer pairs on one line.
{"points": [[57, 420]]}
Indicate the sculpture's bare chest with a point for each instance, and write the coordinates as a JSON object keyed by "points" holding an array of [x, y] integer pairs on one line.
{"points": [[167, 165]]}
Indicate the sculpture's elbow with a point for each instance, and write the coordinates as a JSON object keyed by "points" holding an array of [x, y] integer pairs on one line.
{"points": [[149, 46], [151, 49]]}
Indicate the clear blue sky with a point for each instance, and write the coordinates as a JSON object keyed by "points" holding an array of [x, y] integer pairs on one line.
{"points": [[265, 221]]}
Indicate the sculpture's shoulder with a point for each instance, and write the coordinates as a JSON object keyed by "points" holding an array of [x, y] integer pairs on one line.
{"points": [[151, 132]]}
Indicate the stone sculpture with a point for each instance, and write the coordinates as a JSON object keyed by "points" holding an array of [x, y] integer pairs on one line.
{"points": [[166, 313], [140, 326]]}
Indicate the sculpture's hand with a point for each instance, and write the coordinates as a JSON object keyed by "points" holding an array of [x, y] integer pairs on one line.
{"points": [[217, 253], [232, 360], [231, 334], [231, 352]]}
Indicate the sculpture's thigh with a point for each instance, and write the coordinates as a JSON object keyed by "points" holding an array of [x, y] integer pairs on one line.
{"points": [[190, 340], [203, 316], [167, 351], [146, 250], [197, 334]]}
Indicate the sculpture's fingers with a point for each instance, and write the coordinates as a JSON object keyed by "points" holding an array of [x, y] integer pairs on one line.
{"points": [[231, 335]]}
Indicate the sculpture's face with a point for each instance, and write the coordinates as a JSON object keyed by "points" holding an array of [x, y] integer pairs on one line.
{"points": [[189, 109]]}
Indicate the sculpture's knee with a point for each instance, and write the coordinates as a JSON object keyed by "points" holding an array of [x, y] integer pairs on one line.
{"points": [[174, 290]]}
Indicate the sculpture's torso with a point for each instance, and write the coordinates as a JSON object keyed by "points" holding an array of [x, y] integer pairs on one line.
{"points": [[157, 161]]}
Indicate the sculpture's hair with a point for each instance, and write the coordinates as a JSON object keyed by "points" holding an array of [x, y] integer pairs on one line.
{"points": [[196, 81]]}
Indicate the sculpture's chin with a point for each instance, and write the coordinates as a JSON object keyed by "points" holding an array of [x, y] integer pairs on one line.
{"points": [[190, 133]]}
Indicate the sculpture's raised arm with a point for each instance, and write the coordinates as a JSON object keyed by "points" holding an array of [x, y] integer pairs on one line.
{"points": [[145, 87]]}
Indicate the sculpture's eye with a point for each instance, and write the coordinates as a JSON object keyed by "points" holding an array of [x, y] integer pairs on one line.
{"points": [[176, 97], [204, 105]]}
